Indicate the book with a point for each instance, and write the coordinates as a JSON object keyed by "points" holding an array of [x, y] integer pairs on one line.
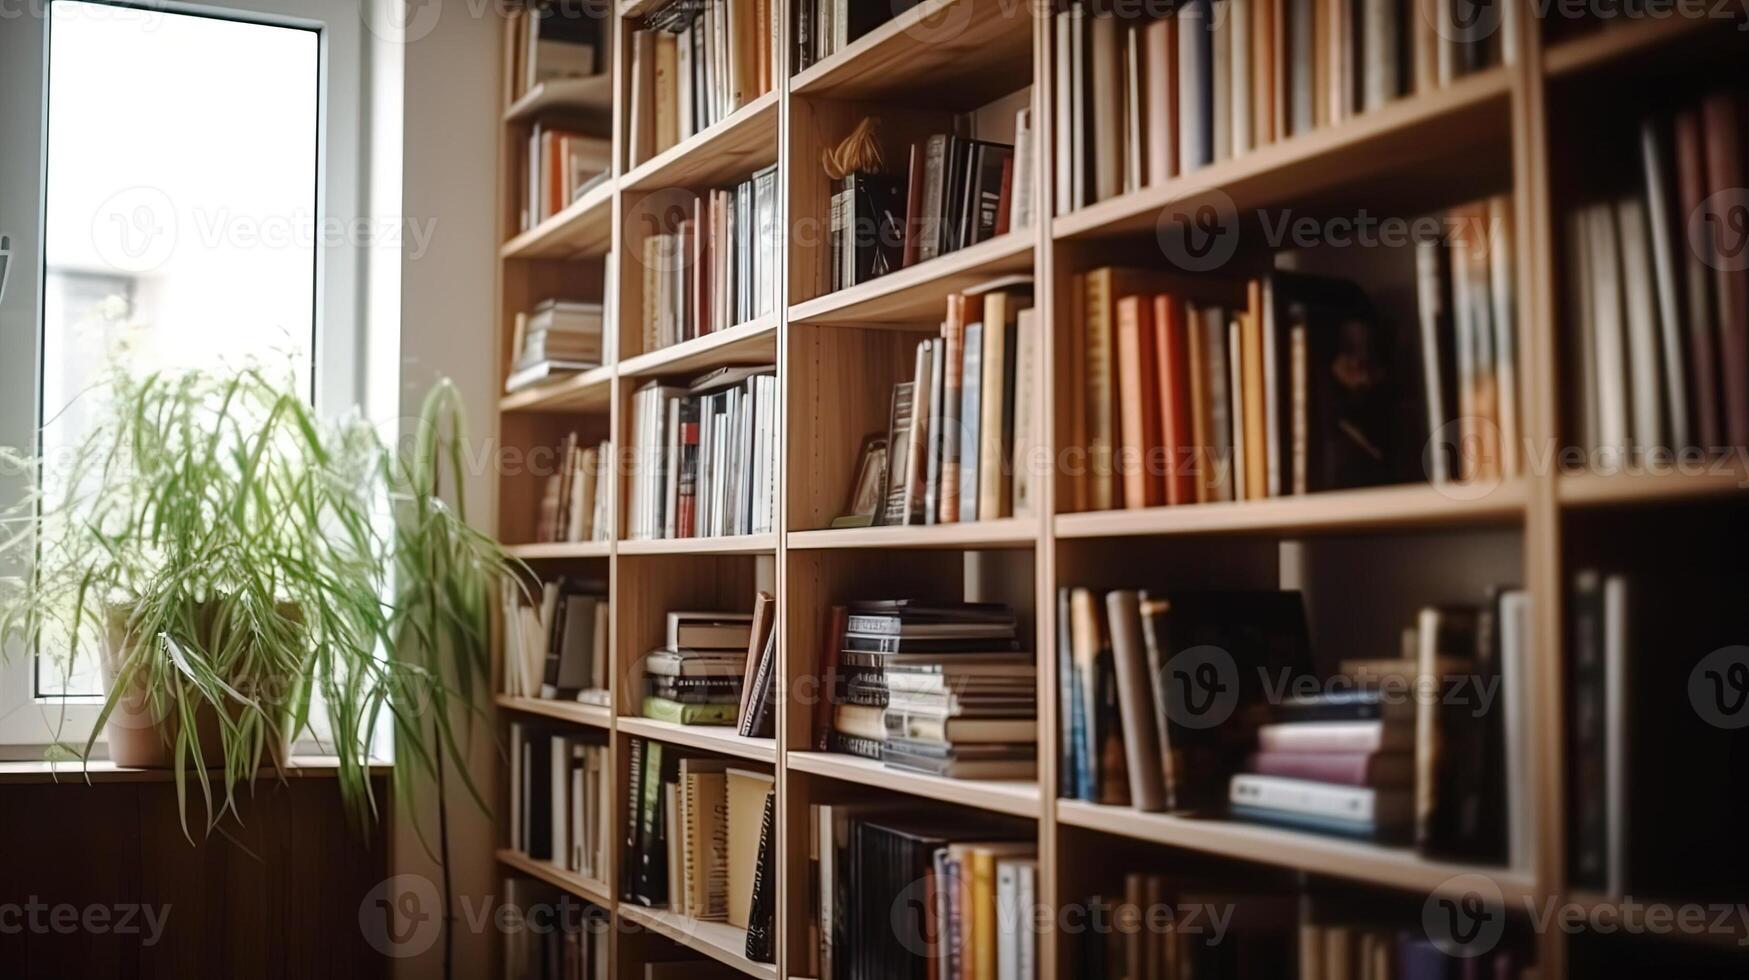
{"points": [[682, 713]]}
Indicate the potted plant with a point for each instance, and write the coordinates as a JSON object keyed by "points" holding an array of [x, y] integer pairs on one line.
{"points": [[253, 574]]}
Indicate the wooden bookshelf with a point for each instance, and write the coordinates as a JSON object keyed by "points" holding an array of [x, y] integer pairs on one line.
{"points": [[1491, 128], [592, 94]]}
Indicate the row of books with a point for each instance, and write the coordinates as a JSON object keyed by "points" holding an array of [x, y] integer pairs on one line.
{"points": [[1659, 683], [1140, 101], [704, 455], [573, 503], [562, 164], [570, 941], [716, 267], [942, 689], [560, 799], [1187, 702], [1200, 390], [555, 640], [1660, 305], [699, 840], [548, 42], [825, 27], [694, 63], [1265, 934], [956, 192], [556, 339], [962, 430], [910, 892]]}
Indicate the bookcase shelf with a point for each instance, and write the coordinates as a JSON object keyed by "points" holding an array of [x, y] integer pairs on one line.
{"points": [[1384, 508], [733, 544], [838, 355], [1006, 532], [1420, 134], [918, 294], [575, 712], [591, 94], [720, 739], [588, 391], [1598, 490], [733, 148], [583, 230], [1389, 867], [1016, 799], [952, 49], [753, 342], [1623, 42], [587, 889], [717, 940]]}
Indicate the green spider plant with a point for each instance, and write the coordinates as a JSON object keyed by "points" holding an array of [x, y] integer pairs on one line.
{"points": [[233, 554]]}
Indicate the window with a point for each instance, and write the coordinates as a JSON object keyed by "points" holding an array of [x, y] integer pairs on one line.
{"points": [[180, 223]]}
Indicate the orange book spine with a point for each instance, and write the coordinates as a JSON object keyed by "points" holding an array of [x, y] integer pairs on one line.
{"points": [[1139, 458], [1201, 467], [1175, 432], [1251, 354]]}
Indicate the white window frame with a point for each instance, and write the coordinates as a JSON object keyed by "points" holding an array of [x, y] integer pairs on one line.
{"points": [[349, 368]]}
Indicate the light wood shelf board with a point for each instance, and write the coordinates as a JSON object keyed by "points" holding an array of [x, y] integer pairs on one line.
{"points": [[739, 144], [560, 550], [1383, 508], [1432, 126], [753, 342], [1006, 532], [593, 94], [720, 739], [1618, 42], [1015, 798], [717, 940], [1390, 867], [584, 229], [74, 772], [575, 712], [585, 888], [1597, 490], [918, 294], [586, 391], [968, 51], [734, 544]]}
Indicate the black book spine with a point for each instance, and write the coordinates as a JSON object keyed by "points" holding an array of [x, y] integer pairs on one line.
{"points": [[538, 798], [762, 915], [634, 782]]}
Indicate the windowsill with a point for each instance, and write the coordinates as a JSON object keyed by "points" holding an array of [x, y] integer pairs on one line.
{"points": [[104, 771]]}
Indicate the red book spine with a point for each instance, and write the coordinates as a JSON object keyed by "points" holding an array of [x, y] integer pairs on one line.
{"points": [[1723, 120], [1005, 200], [1703, 370], [1174, 381]]}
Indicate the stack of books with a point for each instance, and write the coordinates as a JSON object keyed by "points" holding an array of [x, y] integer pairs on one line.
{"points": [[694, 62], [909, 894], [704, 455], [548, 42], [556, 338], [1660, 297], [562, 166], [1140, 101], [956, 192], [715, 267], [963, 431], [555, 644], [696, 679], [573, 505], [559, 800], [1196, 390], [699, 840], [940, 689], [1334, 763], [570, 948]]}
